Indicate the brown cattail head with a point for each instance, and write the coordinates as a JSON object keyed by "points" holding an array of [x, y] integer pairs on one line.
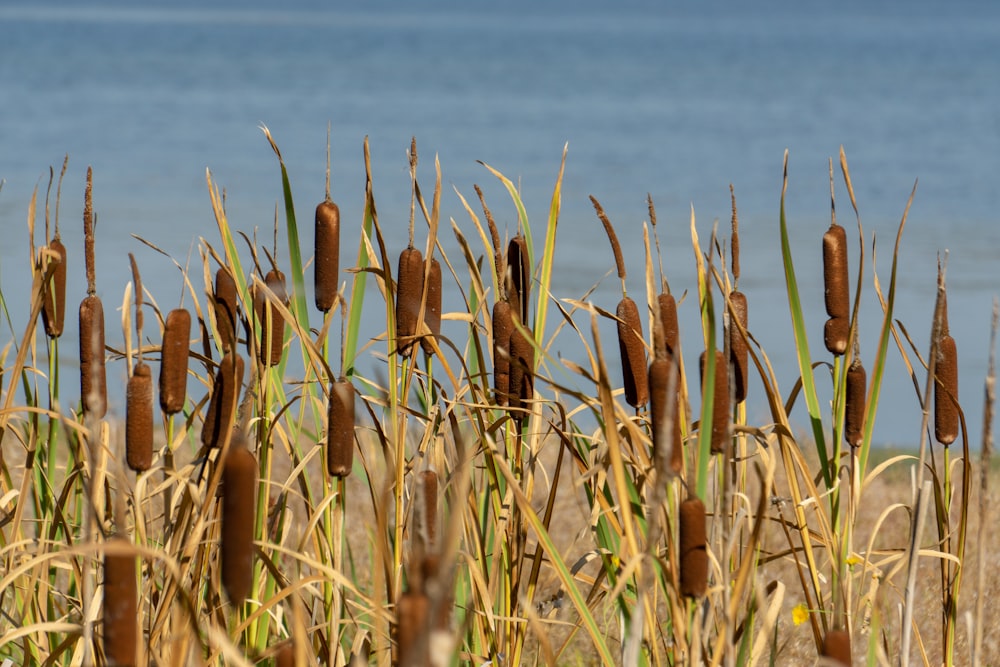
{"points": [[120, 607], [139, 418], [239, 489], [413, 629], [519, 269], [428, 497], [835, 335], [432, 309], [522, 366], [854, 403], [738, 346], [174, 360], [663, 406], [285, 657], [340, 429], [669, 329], [225, 308], [409, 287], [54, 303], [837, 647], [693, 554], [633, 353], [221, 412], [720, 398], [835, 281], [946, 392], [327, 262], [503, 325], [93, 377], [272, 325]]}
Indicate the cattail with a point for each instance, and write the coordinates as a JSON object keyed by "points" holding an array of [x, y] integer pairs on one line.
{"points": [[412, 628], [273, 330], [225, 307], [432, 309], [225, 396], [669, 328], [946, 391], [428, 498], [409, 287], [327, 261], [93, 377], [633, 353], [139, 418], [693, 554], [837, 647], [239, 488], [54, 304], [120, 606], [661, 402], [835, 334], [519, 269], [720, 401], [340, 429], [174, 360], [854, 403], [835, 280], [522, 365], [503, 325], [285, 657], [738, 346]]}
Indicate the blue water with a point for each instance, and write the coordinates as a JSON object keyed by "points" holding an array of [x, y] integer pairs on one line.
{"points": [[676, 102]]}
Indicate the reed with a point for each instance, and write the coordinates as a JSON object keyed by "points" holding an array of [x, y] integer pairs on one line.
{"points": [[174, 355], [239, 489]]}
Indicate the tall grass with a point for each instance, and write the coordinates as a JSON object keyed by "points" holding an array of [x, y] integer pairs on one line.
{"points": [[315, 498]]}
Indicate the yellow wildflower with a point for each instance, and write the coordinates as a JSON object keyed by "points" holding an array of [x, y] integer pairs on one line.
{"points": [[800, 614]]}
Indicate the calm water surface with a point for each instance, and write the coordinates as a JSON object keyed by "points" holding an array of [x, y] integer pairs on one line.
{"points": [[678, 104]]}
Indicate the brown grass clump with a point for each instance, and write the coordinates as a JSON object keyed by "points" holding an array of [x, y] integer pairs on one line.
{"points": [[693, 554], [720, 398], [836, 289], [174, 360], [340, 429], [837, 647], [327, 261], [121, 607], [54, 304], [139, 418], [854, 402], [225, 301], [239, 489], [503, 326], [409, 287], [225, 397]]}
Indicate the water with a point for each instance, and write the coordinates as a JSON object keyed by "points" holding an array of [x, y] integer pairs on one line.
{"points": [[678, 103]]}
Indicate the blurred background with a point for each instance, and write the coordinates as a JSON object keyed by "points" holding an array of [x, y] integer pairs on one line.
{"points": [[678, 102]]}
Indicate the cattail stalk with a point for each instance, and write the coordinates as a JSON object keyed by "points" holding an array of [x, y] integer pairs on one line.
{"points": [[327, 238], [93, 376], [174, 361], [340, 429], [692, 548], [239, 489]]}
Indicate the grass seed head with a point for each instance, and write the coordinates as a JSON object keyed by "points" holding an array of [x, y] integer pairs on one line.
{"points": [[225, 397], [120, 607], [409, 287], [239, 489], [693, 553], [432, 309], [139, 418], [174, 360], [633, 353], [54, 304], [835, 334], [720, 398], [854, 403], [835, 280], [837, 647], [93, 376], [327, 260], [503, 325], [738, 347], [946, 392], [225, 308], [340, 429]]}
